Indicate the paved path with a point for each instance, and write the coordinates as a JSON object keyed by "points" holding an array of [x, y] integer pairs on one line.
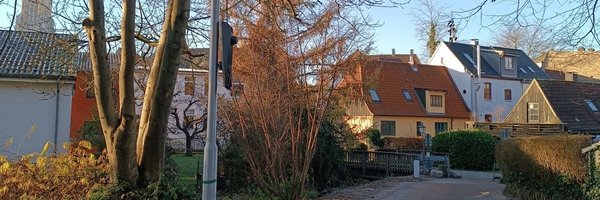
{"points": [[473, 186]]}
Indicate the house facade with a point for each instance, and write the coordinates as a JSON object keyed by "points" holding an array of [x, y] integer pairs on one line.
{"points": [[582, 63], [489, 89], [36, 90], [189, 100], [575, 104], [403, 96]]}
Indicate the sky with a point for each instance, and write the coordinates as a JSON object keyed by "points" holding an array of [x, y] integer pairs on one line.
{"points": [[397, 29]]}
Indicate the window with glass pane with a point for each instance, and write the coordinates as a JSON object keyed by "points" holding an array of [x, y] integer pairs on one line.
{"points": [[407, 96], [591, 105], [189, 116], [487, 91], [441, 127], [374, 95], [533, 113], [388, 127], [189, 85], [436, 101], [508, 62], [507, 95]]}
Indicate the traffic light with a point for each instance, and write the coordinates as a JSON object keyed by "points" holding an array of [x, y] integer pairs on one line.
{"points": [[226, 42]]}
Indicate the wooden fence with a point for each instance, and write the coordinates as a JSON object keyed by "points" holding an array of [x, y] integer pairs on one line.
{"points": [[381, 161], [515, 129]]}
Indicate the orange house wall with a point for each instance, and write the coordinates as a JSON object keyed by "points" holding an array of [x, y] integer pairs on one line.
{"points": [[83, 108]]}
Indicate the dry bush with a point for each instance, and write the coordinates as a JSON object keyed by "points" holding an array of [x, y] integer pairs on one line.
{"points": [[403, 143], [550, 165], [64, 176]]}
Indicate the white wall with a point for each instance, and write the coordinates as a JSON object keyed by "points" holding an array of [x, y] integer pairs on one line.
{"points": [[498, 107], [27, 115], [181, 100], [462, 79]]}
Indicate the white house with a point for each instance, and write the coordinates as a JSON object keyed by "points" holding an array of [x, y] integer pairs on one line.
{"points": [[190, 97], [36, 88], [492, 89]]}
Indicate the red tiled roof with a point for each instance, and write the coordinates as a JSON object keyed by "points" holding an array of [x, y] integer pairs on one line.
{"points": [[394, 77], [396, 57]]}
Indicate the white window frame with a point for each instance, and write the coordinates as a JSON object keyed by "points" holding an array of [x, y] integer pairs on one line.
{"points": [[508, 62]]}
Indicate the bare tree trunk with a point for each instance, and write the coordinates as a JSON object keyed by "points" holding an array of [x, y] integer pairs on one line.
{"points": [[118, 142], [161, 83], [188, 146]]}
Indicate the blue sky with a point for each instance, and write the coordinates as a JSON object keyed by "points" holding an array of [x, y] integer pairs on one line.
{"points": [[397, 31]]}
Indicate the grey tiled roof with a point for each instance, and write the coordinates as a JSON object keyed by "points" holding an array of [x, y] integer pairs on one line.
{"points": [[524, 62], [37, 55], [568, 98]]}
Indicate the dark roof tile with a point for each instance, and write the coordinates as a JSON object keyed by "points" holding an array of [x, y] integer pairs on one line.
{"points": [[37, 55], [568, 101]]}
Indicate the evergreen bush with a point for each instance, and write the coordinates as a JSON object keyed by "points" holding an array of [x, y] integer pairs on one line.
{"points": [[468, 149]]}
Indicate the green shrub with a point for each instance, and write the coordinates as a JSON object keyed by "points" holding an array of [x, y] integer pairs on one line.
{"points": [[403, 143], [328, 169], [374, 137], [549, 167], [234, 172], [469, 149], [92, 132]]}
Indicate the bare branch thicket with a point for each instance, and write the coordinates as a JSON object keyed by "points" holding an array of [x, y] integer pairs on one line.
{"points": [[290, 59], [430, 18], [533, 40], [569, 23]]}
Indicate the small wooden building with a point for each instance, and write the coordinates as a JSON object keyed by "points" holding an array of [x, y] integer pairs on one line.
{"points": [[574, 104]]}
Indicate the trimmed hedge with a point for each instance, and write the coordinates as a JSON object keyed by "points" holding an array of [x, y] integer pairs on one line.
{"points": [[468, 149], [544, 167], [403, 143]]}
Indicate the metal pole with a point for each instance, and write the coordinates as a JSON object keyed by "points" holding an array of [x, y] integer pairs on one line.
{"points": [[209, 173]]}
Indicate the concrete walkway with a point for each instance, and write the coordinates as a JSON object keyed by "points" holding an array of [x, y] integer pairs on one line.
{"points": [[446, 189], [473, 186]]}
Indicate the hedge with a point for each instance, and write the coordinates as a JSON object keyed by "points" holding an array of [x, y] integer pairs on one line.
{"points": [[403, 143], [544, 167], [469, 149]]}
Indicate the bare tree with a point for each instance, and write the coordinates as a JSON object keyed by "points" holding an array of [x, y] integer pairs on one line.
{"points": [[186, 122], [569, 23], [533, 40], [430, 19], [130, 162]]}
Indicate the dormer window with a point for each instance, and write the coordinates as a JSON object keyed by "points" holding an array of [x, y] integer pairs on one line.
{"points": [[437, 100], [374, 96], [508, 62], [591, 105]]}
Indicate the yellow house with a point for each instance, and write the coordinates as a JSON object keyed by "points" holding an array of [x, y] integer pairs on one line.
{"points": [[405, 95]]}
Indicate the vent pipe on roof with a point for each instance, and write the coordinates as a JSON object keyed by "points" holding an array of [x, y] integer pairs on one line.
{"points": [[393, 51], [475, 42], [411, 61]]}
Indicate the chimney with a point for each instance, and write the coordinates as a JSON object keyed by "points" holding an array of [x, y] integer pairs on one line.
{"points": [[475, 42], [393, 51], [411, 61], [571, 76]]}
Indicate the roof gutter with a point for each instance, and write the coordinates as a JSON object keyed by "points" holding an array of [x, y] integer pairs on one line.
{"points": [[56, 115]]}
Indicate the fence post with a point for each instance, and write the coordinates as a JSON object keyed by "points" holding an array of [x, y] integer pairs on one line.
{"points": [[416, 170], [387, 165], [364, 163]]}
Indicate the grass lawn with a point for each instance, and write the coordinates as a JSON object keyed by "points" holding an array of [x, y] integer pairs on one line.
{"points": [[187, 168]]}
